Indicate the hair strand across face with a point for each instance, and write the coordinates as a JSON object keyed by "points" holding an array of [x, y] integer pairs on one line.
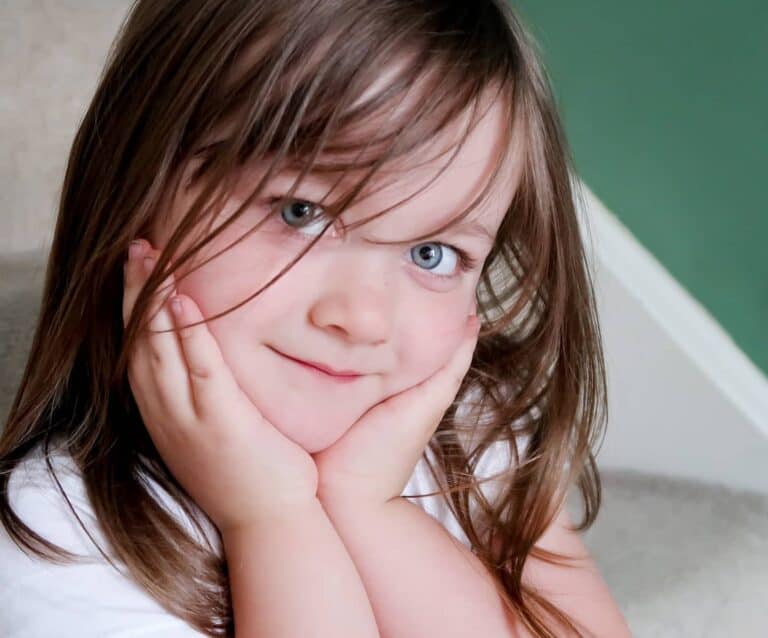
{"points": [[297, 84]]}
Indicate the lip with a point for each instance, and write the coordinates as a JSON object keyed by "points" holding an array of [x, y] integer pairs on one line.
{"points": [[337, 375]]}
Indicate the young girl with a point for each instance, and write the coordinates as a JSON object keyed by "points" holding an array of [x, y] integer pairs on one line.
{"points": [[257, 357]]}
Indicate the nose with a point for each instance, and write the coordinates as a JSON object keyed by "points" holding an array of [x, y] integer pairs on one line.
{"points": [[355, 310]]}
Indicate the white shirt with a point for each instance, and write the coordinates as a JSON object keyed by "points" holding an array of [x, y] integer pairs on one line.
{"points": [[40, 599]]}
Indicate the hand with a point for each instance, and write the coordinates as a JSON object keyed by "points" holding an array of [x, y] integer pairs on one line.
{"points": [[374, 459], [235, 464]]}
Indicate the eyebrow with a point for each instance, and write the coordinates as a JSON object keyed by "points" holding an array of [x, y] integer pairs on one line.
{"points": [[465, 227], [472, 227], [460, 228]]}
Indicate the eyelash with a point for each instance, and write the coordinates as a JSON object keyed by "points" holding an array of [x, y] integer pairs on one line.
{"points": [[467, 263]]}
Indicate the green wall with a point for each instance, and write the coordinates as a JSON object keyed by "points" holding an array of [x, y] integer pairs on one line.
{"points": [[666, 109]]}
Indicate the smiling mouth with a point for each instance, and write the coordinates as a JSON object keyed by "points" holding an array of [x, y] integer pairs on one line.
{"points": [[341, 378]]}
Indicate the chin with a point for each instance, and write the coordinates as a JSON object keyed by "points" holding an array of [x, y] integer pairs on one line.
{"points": [[310, 432]]}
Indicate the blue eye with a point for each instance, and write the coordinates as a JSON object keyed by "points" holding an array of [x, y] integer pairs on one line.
{"points": [[301, 213], [431, 256]]}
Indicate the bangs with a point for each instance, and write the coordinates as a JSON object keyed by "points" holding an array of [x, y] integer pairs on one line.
{"points": [[333, 100]]}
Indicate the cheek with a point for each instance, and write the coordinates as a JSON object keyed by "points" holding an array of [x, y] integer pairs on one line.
{"points": [[431, 338], [232, 276], [228, 280]]}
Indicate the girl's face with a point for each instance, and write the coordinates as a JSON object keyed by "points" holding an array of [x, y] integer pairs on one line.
{"points": [[394, 313]]}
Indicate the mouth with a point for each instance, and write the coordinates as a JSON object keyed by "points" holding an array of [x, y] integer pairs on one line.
{"points": [[344, 376]]}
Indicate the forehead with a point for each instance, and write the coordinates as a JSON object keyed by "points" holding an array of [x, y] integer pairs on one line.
{"points": [[432, 185]]}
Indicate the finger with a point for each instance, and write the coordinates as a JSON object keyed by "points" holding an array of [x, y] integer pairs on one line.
{"points": [[139, 373], [138, 370], [402, 425], [156, 369], [453, 372], [411, 417], [164, 291], [133, 277], [136, 270], [157, 311], [162, 348], [211, 380]]}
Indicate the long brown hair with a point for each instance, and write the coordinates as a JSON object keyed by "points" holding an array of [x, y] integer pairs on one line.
{"points": [[225, 82]]}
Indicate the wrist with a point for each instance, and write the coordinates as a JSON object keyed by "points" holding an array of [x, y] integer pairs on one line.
{"points": [[348, 500], [269, 517]]}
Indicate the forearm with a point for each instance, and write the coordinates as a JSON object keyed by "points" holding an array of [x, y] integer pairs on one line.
{"points": [[420, 580], [292, 576]]}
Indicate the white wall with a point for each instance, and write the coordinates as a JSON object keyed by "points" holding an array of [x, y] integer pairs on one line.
{"points": [[683, 398]]}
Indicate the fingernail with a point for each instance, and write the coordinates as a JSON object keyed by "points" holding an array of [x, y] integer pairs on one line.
{"points": [[134, 249], [149, 264]]}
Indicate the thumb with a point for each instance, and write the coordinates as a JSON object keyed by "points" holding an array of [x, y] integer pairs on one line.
{"points": [[413, 415]]}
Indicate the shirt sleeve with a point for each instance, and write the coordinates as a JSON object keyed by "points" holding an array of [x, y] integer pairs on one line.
{"points": [[496, 458], [89, 599]]}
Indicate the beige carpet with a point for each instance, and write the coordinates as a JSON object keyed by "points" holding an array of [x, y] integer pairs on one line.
{"points": [[683, 560]]}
